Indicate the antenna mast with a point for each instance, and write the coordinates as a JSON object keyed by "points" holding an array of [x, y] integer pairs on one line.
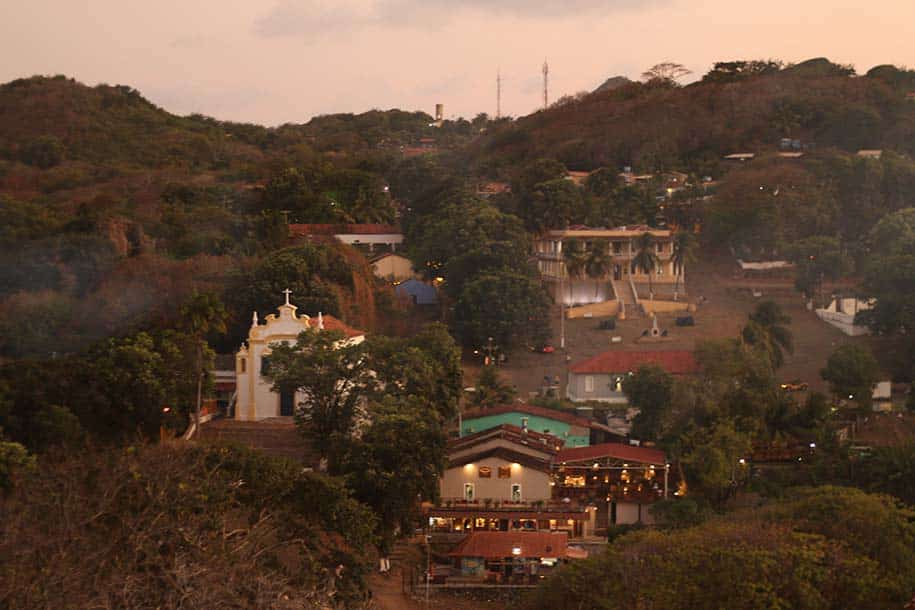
{"points": [[498, 93], [546, 77]]}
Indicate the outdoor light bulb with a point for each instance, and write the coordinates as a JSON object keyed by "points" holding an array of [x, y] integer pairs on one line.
{"points": [[813, 445], [742, 461]]}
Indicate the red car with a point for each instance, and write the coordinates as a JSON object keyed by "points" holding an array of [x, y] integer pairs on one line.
{"points": [[544, 349]]}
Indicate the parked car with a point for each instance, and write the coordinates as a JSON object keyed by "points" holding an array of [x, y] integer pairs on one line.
{"points": [[685, 321], [608, 324], [795, 386], [546, 348]]}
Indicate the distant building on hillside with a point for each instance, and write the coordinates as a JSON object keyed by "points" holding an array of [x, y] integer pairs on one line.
{"points": [[393, 267], [741, 157], [368, 238], [621, 246], [601, 377], [870, 153], [417, 292], [841, 313]]}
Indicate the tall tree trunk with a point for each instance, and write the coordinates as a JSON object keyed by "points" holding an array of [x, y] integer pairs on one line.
{"points": [[199, 389]]}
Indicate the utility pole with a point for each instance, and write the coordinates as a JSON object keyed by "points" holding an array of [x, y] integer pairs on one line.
{"points": [[562, 317], [499, 93], [546, 80]]}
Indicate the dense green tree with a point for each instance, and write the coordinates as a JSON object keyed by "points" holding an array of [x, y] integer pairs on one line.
{"points": [[780, 559], [649, 390], [491, 389], [334, 377], [508, 306], [766, 330], [888, 275], [889, 470], [396, 461], [316, 274], [733, 71], [537, 172], [817, 258], [712, 461], [852, 372], [553, 204], [43, 152], [425, 367], [666, 73], [13, 458], [602, 182]]}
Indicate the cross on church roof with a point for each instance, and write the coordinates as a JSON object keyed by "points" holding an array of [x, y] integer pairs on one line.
{"points": [[287, 292]]}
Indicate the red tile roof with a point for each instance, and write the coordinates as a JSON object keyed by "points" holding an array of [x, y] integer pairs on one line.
{"points": [[499, 545], [538, 440], [676, 362], [332, 323], [619, 451], [298, 230], [502, 453]]}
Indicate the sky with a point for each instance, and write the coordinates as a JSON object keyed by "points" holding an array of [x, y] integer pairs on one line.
{"points": [[281, 61]]}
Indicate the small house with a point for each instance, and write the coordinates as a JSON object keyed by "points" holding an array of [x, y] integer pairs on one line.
{"points": [[601, 377]]}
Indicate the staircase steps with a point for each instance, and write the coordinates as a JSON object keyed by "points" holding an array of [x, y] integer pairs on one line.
{"points": [[278, 439]]}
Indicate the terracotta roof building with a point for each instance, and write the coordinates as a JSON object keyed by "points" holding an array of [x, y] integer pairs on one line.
{"points": [[501, 545], [601, 377], [368, 237]]}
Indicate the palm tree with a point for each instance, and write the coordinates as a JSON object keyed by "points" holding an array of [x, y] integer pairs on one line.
{"points": [[646, 258], [684, 244], [766, 330], [201, 315], [597, 266], [574, 259]]}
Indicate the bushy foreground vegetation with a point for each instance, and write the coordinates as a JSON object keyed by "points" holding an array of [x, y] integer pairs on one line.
{"points": [[178, 526], [827, 547]]}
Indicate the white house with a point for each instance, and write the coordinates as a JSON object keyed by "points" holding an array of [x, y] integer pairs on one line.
{"points": [[256, 399], [841, 313]]}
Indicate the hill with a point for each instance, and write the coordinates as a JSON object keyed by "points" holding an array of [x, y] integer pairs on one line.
{"points": [[659, 126]]}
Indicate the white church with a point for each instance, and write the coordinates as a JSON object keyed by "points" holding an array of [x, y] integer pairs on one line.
{"points": [[255, 398]]}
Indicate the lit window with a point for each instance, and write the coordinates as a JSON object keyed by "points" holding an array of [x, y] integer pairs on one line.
{"points": [[516, 492], [468, 492]]}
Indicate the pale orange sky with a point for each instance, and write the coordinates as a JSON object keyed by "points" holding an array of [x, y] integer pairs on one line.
{"points": [[276, 61]]}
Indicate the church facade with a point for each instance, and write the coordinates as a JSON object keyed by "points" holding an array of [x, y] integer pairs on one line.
{"points": [[255, 398]]}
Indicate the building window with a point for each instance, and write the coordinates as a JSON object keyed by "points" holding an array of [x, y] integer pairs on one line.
{"points": [[516, 492], [589, 383], [485, 472], [468, 492], [505, 472], [617, 247], [265, 366], [242, 365], [660, 270], [617, 384]]}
